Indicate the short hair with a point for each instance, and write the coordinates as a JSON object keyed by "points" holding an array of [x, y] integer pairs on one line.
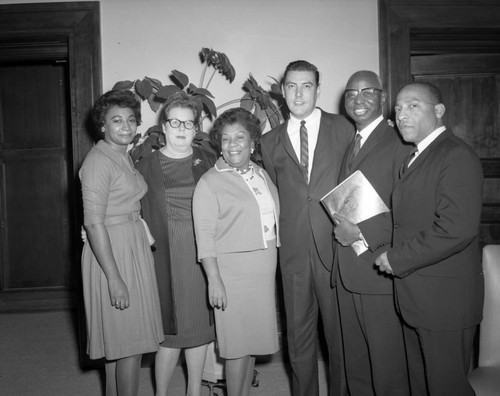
{"points": [[434, 92], [301, 65], [237, 115], [119, 98], [181, 100]]}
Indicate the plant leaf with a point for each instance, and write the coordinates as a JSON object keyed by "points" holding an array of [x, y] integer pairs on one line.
{"points": [[154, 104], [208, 105], [155, 84], [227, 68], [181, 78], [247, 102], [200, 91], [143, 88], [166, 91], [272, 113], [123, 85]]}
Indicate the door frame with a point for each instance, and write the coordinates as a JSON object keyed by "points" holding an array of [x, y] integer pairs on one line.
{"points": [[71, 30]]}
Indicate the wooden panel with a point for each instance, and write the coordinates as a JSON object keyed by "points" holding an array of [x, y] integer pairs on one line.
{"points": [[36, 90], [472, 109], [456, 64], [35, 220]]}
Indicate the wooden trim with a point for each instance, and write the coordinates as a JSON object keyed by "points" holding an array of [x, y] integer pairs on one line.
{"points": [[73, 28]]}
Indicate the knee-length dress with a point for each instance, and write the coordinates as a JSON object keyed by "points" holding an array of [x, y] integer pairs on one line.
{"points": [[188, 278], [111, 190]]}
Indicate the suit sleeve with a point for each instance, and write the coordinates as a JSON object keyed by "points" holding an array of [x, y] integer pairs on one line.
{"points": [[268, 164], [458, 199]]}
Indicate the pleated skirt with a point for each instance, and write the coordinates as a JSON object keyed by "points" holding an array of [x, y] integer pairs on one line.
{"points": [[114, 333]]}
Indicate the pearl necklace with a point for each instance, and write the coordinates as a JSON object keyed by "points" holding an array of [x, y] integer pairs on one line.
{"points": [[243, 172]]}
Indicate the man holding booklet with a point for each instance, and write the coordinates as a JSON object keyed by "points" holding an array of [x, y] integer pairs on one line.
{"points": [[372, 331]]}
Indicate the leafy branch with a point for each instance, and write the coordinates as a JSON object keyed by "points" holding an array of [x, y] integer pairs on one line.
{"points": [[255, 99]]}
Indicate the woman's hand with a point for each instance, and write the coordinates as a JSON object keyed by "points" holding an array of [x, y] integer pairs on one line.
{"points": [[118, 293], [217, 293]]}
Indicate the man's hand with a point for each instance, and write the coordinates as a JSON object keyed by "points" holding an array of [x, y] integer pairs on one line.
{"points": [[346, 233], [382, 262]]}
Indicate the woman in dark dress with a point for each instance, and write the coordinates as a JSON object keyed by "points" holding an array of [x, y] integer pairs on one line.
{"points": [[171, 174]]}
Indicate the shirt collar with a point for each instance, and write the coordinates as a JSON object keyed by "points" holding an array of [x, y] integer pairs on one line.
{"points": [[311, 118], [430, 138], [366, 131]]}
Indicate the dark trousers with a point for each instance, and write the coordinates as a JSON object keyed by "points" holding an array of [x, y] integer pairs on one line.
{"points": [[439, 361], [307, 295], [372, 332]]}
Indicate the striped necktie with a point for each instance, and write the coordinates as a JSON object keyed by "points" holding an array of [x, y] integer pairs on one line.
{"points": [[354, 151], [304, 147]]}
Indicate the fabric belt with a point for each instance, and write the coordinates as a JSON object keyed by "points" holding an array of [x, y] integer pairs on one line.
{"points": [[130, 218]]}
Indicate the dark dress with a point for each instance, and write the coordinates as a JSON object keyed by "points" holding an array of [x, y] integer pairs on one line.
{"points": [[188, 279], [187, 316]]}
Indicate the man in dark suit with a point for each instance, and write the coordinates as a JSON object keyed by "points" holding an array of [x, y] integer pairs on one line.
{"points": [[435, 256], [303, 158], [371, 328]]}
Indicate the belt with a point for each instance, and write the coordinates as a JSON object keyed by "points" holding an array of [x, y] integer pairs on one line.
{"points": [[130, 218]]}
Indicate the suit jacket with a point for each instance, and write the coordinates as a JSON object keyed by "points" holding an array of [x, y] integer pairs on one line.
{"points": [[436, 259], [379, 159], [154, 213], [304, 224]]}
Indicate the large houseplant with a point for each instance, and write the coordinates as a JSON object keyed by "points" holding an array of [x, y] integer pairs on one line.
{"points": [[256, 99]]}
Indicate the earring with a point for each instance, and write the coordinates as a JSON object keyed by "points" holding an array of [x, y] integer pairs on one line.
{"points": [[103, 130], [252, 150]]}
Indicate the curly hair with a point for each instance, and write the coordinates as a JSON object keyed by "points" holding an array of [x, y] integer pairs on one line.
{"points": [[240, 116], [120, 98], [180, 100]]}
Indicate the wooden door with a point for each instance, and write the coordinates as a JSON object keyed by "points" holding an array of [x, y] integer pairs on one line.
{"points": [[454, 44], [36, 195], [50, 75]]}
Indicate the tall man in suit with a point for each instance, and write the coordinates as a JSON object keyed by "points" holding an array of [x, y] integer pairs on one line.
{"points": [[371, 328], [435, 256], [304, 171]]}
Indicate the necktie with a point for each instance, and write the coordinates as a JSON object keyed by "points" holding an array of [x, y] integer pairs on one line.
{"points": [[304, 146], [410, 157], [354, 151]]}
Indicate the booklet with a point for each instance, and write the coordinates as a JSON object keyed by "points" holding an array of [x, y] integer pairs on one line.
{"points": [[356, 199]]}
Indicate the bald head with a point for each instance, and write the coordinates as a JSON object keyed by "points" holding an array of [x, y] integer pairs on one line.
{"points": [[370, 77], [364, 98]]}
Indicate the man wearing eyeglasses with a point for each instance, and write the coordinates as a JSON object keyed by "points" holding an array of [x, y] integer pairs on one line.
{"points": [[371, 329]]}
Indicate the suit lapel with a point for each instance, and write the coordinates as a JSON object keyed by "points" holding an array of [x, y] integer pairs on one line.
{"points": [[375, 138], [428, 151], [287, 144]]}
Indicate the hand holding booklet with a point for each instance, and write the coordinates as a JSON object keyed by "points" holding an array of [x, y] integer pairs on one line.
{"points": [[355, 199]]}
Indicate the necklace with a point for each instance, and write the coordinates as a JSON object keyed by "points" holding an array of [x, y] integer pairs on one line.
{"points": [[247, 173], [244, 171]]}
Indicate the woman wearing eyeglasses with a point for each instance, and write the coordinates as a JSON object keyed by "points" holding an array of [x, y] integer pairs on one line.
{"points": [[171, 174]]}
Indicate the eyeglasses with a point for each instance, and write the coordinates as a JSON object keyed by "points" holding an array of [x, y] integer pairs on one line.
{"points": [[369, 93], [174, 123]]}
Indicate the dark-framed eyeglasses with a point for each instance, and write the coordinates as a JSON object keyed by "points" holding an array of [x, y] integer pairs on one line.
{"points": [[368, 93], [175, 123]]}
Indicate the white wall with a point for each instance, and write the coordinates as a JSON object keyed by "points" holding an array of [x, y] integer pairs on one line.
{"points": [[153, 37]]}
